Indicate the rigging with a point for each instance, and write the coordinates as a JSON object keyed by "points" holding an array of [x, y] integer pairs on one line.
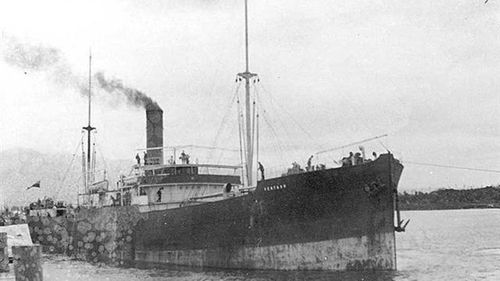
{"points": [[451, 167]]}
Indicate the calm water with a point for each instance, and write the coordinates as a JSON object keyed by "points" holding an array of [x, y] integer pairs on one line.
{"points": [[438, 245]]}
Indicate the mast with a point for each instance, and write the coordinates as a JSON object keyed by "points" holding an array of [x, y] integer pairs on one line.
{"points": [[249, 132], [89, 129], [246, 36]]}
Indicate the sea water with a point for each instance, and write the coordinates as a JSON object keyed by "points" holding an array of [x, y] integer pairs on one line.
{"points": [[437, 245]]}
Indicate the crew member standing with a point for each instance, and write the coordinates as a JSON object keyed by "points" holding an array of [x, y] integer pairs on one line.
{"points": [[309, 167], [138, 158], [171, 161], [261, 169], [184, 158]]}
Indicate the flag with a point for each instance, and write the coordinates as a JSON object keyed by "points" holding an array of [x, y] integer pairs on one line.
{"points": [[36, 184]]}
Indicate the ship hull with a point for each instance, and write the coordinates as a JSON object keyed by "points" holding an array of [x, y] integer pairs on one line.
{"points": [[335, 219]]}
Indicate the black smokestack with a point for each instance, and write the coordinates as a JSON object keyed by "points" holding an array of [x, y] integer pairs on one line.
{"points": [[154, 134]]}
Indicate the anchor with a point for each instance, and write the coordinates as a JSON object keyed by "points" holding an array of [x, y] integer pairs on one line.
{"points": [[400, 227]]}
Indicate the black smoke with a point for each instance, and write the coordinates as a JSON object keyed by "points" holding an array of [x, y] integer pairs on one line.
{"points": [[30, 57], [133, 96], [50, 61]]}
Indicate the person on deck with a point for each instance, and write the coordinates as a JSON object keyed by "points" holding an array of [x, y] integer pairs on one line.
{"points": [[346, 161], [309, 167], [351, 159], [171, 161], [261, 169], [358, 160], [363, 153], [184, 158], [158, 194], [145, 158], [138, 158]]}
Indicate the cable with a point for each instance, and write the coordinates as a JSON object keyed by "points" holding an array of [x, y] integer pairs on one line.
{"points": [[273, 131], [309, 135], [232, 128], [280, 122], [69, 167], [224, 118], [103, 159], [276, 145], [240, 132], [351, 144], [268, 120], [452, 167]]}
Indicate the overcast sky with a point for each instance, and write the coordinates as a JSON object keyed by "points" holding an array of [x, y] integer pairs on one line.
{"points": [[331, 73]]}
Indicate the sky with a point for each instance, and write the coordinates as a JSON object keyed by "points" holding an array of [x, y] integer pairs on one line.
{"points": [[331, 73]]}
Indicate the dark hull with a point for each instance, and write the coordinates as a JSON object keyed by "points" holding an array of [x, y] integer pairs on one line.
{"points": [[335, 219]]}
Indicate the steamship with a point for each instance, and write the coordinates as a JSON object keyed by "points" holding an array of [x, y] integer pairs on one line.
{"points": [[212, 215]]}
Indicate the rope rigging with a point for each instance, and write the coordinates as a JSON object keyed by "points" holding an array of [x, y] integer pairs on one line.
{"points": [[232, 128], [240, 136], [277, 126], [280, 123], [351, 144], [69, 167], [224, 118], [97, 147], [452, 167], [275, 135], [290, 117], [276, 143]]}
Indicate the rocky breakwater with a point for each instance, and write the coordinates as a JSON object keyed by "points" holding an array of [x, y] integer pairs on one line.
{"points": [[94, 235]]}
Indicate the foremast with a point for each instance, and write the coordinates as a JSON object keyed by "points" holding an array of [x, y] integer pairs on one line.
{"points": [[88, 167], [249, 120]]}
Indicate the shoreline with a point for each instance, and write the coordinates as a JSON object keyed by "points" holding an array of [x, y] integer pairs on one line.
{"points": [[448, 208]]}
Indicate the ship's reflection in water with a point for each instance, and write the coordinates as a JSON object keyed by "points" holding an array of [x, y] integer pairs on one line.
{"points": [[438, 246]]}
